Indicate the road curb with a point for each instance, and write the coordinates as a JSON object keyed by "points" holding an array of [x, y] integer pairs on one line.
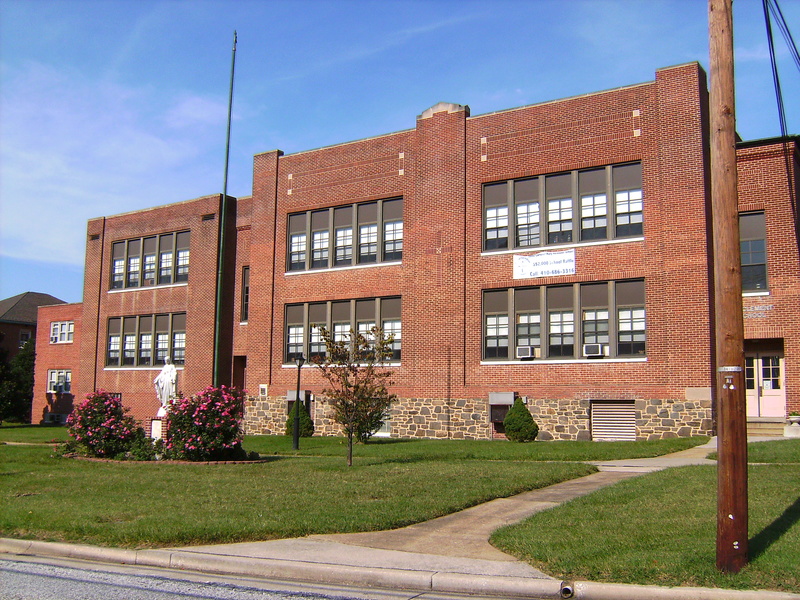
{"points": [[379, 577]]}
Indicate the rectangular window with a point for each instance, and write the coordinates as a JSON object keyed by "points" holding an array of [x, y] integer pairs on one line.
{"points": [[612, 315], [632, 333], [629, 203], [753, 251], [130, 340], [59, 381], [367, 243], [495, 226], [154, 260], [559, 208], [594, 208], [303, 322], [62, 332], [564, 205], [245, 313], [369, 232]]}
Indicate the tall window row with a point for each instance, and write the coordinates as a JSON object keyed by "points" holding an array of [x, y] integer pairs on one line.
{"points": [[565, 321], [146, 340], [753, 251], [148, 261], [587, 205], [342, 236], [303, 322]]}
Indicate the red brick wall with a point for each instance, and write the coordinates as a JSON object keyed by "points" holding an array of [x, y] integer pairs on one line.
{"points": [[56, 356], [764, 185]]}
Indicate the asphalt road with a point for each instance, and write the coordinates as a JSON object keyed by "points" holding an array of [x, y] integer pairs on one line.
{"points": [[28, 578]]}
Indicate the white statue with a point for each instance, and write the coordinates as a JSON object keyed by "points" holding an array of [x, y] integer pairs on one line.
{"points": [[165, 385]]}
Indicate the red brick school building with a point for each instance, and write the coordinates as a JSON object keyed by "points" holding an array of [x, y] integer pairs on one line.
{"points": [[559, 252]]}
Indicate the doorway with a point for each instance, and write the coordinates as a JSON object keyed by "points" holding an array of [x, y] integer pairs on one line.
{"points": [[764, 380]]}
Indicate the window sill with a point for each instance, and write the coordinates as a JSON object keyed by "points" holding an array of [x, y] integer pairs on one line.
{"points": [[154, 368], [571, 361], [393, 263], [546, 247], [752, 294], [149, 287]]}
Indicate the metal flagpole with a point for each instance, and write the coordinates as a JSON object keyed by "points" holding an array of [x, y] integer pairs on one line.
{"points": [[222, 226]]}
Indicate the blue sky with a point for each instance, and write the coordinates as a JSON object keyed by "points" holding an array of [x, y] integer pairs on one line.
{"points": [[108, 106]]}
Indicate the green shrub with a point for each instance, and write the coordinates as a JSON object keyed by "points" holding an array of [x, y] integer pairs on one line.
{"points": [[100, 426], [306, 423], [519, 424]]}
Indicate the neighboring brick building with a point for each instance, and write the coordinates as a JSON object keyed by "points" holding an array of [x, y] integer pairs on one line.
{"points": [[18, 318], [559, 252]]}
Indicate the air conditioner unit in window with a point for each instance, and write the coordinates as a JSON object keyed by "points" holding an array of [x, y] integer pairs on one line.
{"points": [[595, 350], [529, 352]]}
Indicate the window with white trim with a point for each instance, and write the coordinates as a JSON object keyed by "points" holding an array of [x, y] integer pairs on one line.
{"points": [[364, 233], [612, 315], [562, 208], [59, 381], [130, 340], [753, 251], [62, 332], [340, 317], [150, 261]]}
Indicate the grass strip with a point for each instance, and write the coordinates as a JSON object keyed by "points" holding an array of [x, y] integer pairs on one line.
{"points": [[428, 449], [660, 529], [128, 504]]}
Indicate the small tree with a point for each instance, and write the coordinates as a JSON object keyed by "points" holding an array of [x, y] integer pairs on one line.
{"points": [[306, 423], [357, 382], [519, 424], [16, 384]]}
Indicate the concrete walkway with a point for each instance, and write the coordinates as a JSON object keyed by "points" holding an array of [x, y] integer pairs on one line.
{"points": [[450, 554]]}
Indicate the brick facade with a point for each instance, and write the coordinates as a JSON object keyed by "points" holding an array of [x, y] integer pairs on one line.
{"points": [[444, 379]]}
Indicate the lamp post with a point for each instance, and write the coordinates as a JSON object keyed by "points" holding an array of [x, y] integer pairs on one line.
{"points": [[299, 360]]}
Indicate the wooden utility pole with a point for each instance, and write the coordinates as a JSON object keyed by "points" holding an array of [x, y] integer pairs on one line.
{"points": [[732, 513]]}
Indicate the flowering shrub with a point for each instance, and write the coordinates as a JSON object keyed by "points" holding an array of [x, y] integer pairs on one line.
{"points": [[206, 426], [100, 427]]}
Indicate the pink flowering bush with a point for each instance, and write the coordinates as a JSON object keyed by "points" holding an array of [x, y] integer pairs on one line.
{"points": [[206, 426], [100, 426]]}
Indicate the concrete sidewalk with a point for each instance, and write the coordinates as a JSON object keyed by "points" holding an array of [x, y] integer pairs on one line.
{"points": [[450, 554]]}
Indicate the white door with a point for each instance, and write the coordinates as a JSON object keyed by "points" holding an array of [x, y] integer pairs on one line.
{"points": [[764, 385]]}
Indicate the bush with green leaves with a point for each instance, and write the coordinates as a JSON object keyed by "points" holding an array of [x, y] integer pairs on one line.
{"points": [[206, 426], [519, 424], [306, 423], [100, 426]]}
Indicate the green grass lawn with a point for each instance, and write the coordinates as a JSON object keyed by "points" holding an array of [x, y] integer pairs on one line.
{"points": [[32, 434], [131, 504], [425, 449], [661, 528]]}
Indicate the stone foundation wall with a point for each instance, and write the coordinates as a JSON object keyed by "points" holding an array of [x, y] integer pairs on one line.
{"points": [[567, 419]]}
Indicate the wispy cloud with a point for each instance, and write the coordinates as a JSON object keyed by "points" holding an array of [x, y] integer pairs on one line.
{"points": [[74, 149]]}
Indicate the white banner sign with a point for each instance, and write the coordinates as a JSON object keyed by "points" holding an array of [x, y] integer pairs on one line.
{"points": [[544, 264]]}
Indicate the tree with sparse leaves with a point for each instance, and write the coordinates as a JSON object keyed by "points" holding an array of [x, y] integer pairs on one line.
{"points": [[357, 382]]}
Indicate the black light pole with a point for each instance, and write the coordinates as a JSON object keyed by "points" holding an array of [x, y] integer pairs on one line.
{"points": [[299, 360]]}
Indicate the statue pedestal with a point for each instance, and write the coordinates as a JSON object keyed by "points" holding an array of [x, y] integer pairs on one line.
{"points": [[155, 428]]}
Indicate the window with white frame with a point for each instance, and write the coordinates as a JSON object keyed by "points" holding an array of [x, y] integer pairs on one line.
{"points": [[130, 340], [148, 261], [612, 314], [563, 208], [59, 381], [340, 317], [753, 251], [62, 332], [369, 232]]}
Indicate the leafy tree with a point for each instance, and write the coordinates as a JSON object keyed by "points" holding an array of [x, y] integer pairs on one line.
{"points": [[16, 384], [519, 424], [306, 423], [357, 382]]}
